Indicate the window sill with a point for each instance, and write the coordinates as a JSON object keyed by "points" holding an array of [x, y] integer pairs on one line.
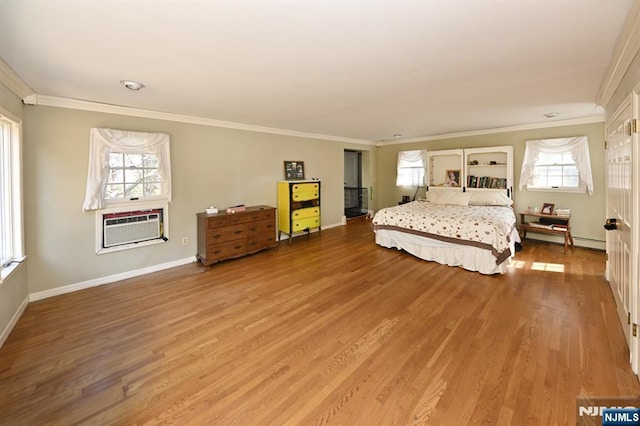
{"points": [[130, 246], [7, 271], [567, 190]]}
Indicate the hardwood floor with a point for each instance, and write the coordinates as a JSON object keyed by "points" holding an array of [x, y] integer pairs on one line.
{"points": [[331, 329]]}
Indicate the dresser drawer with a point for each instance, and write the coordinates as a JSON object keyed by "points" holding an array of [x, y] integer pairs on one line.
{"points": [[216, 222], [251, 216], [263, 227], [303, 196], [305, 213], [259, 242], [307, 223], [227, 233], [305, 187], [225, 250]]}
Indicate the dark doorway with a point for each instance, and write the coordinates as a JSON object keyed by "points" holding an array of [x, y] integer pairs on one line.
{"points": [[355, 196]]}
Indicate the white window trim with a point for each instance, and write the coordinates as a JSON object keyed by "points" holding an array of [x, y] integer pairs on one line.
{"points": [[145, 205], [102, 141], [579, 148], [14, 174]]}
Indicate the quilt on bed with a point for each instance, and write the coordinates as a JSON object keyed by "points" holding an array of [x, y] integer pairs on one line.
{"points": [[486, 227]]}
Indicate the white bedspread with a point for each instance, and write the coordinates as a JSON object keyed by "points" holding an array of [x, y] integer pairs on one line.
{"points": [[487, 227]]}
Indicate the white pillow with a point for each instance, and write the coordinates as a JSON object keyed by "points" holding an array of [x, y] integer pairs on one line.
{"points": [[452, 197], [430, 196], [489, 198]]}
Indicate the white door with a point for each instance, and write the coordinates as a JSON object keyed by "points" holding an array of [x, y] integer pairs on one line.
{"points": [[619, 206]]}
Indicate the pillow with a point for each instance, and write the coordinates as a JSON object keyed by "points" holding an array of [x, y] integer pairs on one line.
{"points": [[451, 197], [489, 198], [430, 196]]}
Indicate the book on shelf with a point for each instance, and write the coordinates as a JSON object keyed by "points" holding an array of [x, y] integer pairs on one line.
{"points": [[540, 225], [486, 182], [550, 226]]}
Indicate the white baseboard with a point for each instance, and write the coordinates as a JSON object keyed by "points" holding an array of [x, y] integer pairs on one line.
{"points": [[14, 321], [108, 279]]}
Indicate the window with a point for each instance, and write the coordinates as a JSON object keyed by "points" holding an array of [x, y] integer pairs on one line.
{"points": [[127, 166], [11, 250], [555, 170], [411, 166], [132, 176], [129, 176], [557, 165]]}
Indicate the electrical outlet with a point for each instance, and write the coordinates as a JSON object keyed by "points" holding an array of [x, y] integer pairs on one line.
{"points": [[185, 241]]}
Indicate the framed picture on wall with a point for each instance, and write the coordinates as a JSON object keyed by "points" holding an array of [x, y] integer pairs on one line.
{"points": [[294, 170], [452, 178]]}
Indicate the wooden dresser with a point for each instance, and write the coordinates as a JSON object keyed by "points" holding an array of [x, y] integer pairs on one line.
{"points": [[298, 206], [227, 235]]}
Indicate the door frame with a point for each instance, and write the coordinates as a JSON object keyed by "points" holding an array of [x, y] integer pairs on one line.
{"points": [[635, 232]]}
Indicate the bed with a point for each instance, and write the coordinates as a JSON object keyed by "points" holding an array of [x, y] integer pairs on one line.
{"points": [[476, 231]]}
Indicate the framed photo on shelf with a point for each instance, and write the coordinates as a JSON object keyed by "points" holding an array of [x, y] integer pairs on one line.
{"points": [[294, 170], [547, 208], [452, 178]]}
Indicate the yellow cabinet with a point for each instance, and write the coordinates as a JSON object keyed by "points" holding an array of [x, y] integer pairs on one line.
{"points": [[298, 206]]}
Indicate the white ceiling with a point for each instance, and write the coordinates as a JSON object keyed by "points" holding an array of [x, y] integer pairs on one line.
{"points": [[355, 69]]}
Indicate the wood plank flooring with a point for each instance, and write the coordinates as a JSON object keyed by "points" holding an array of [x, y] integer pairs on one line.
{"points": [[331, 329]]}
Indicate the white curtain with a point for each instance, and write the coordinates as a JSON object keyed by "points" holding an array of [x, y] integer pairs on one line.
{"points": [[103, 141], [411, 165], [579, 148]]}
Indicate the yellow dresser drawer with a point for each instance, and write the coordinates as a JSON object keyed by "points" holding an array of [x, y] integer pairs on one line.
{"points": [[307, 223], [305, 213], [305, 187], [304, 196]]}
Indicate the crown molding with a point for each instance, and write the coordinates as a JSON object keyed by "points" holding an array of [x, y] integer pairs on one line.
{"points": [[625, 51], [145, 113], [9, 78], [600, 118]]}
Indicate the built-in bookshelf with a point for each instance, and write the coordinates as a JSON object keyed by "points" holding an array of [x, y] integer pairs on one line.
{"points": [[488, 168]]}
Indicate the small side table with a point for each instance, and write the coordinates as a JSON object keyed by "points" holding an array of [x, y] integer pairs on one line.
{"points": [[549, 224]]}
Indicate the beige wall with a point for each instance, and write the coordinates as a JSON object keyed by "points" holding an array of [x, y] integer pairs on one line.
{"points": [[14, 290], [588, 212], [210, 165]]}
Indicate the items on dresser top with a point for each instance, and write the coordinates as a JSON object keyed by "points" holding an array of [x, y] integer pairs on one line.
{"points": [[225, 235], [298, 207]]}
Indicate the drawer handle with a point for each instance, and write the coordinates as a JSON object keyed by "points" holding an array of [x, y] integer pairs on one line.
{"points": [[217, 236], [217, 251], [237, 232], [238, 247]]}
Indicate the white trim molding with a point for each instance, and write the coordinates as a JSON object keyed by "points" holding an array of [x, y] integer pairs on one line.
{"points": [[14, 320], [9, 78], [560, 123], [55, 101], [625, 51], [108, 279]]}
